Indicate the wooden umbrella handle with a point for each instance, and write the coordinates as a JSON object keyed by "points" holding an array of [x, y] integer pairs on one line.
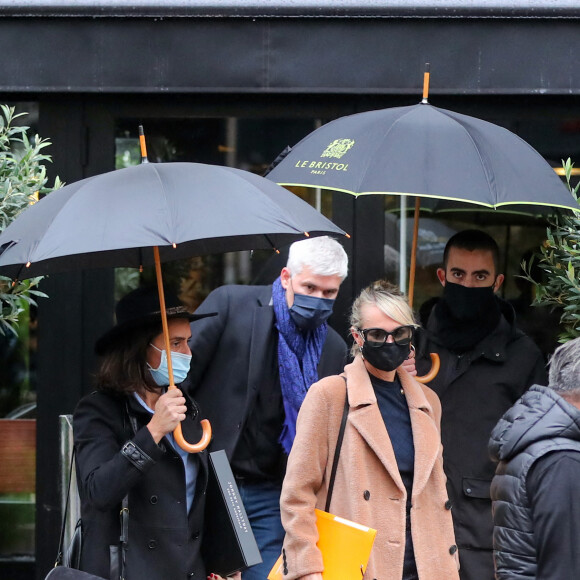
{"points": [[194, 447], [413, 265], [435, 365], [205, 424]]}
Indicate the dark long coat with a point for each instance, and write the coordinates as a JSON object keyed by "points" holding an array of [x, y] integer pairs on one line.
{"points": [[164, 542], [235, 354], [476, 389]]}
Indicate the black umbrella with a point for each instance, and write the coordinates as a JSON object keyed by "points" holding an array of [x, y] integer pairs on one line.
{"points": [[428, 152], [151, 213], [185, 209]]}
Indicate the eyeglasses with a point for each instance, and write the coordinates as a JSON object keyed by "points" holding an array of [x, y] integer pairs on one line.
{"points": [[376, 337]]}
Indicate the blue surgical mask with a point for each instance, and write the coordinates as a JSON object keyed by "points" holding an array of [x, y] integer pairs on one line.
{"points": [[180, 363], [309, 312]]}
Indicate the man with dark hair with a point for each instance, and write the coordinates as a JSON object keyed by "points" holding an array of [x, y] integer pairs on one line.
{"points": [[534, 492], [486, 365], [472, 240]]}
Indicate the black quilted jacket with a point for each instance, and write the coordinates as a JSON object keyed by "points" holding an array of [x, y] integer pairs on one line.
{"points": [[540, 423]]}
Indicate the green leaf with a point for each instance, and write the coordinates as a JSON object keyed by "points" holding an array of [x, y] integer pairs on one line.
{"points": [[22, 174]]}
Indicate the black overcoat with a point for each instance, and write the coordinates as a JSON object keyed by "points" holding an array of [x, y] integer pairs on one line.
{"points": [[164, 541], [235, 354], [476, 388]]}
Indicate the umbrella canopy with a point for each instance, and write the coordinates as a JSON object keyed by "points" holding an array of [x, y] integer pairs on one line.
{"points": [[507, 215], [184, 209], [152, 213], [424, 151]]}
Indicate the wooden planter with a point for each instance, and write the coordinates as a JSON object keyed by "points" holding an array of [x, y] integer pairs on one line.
{"points": [[17, 455]]}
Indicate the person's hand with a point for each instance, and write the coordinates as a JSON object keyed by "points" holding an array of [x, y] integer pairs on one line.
{"points": [[170, 410], [236, 576], [315, 576], [409, 364]]}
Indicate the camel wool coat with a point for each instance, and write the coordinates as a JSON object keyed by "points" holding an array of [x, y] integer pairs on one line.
{"points": [[368, 488]]}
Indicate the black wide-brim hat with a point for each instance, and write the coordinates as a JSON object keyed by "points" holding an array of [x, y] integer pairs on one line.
{"points": [[140, 308]]}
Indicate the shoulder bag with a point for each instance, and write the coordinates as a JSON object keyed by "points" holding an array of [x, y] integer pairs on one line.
{"points": [[346, 546], [71, 556]]}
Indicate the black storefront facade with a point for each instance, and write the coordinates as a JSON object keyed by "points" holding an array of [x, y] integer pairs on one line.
{"points": [[96, 68]]}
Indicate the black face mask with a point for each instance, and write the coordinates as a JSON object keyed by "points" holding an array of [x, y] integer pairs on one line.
{"points": [[309, 312], [469, 304], [464, 316], [386, 357]]}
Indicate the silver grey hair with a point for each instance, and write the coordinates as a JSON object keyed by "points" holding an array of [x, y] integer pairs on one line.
{"points": [[565, 368], [323, 255], [388, 299]]}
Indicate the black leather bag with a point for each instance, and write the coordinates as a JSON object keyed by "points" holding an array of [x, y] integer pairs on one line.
{"points": [[72, 555], [64, 573], [70, 558]]}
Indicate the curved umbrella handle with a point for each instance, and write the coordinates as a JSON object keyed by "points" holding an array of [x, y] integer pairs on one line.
{"points": [[435, 365], [194, 447]]}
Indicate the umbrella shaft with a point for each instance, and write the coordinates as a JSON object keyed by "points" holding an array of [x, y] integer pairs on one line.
{"points": [[163, 315], [414, 251]]}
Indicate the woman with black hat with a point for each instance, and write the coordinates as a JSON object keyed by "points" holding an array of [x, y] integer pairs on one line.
{"points": [[126, 453]]}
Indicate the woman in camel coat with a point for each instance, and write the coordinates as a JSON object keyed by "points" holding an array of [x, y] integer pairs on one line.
{"points": [[390, 473]]}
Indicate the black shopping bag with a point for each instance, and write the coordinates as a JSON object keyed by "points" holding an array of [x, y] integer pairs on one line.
{"points": [[229, 544]]}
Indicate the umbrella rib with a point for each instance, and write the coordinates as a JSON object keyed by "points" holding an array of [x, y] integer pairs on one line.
{"points": [[384, 137], [165, 196], [489, 181]]}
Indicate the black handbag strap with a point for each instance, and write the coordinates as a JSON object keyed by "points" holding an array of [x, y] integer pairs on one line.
{"points": [[60, 553], [124, 537], [124, 513], [337, 450]]}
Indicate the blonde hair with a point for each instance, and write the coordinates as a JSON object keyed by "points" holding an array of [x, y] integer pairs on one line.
{"points": [[388, 299]]}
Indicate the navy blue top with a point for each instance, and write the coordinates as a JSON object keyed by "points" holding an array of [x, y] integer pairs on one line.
{"points": [[395, 412]]}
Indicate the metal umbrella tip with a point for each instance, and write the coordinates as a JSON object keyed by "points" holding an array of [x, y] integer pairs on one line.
{"points": [[28, 264], [174, 245], [307, 234]]}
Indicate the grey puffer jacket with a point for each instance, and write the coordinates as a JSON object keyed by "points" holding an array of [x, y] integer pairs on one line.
{"points": [[540, 422]]}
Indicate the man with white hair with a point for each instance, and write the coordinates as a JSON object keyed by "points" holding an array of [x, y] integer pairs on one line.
{"points": [[251, 369], [535, 490]]}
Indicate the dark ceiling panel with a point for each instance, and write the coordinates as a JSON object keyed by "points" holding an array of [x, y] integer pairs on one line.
{"points": [[358, 56]]}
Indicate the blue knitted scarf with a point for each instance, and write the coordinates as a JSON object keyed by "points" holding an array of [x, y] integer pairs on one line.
{"points": [[298, 357]]}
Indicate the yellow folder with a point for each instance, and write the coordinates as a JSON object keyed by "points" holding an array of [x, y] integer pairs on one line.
{"points": [[346, 547]]}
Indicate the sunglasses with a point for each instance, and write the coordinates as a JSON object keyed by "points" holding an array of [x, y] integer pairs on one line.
{"points": [[376, 337]]}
